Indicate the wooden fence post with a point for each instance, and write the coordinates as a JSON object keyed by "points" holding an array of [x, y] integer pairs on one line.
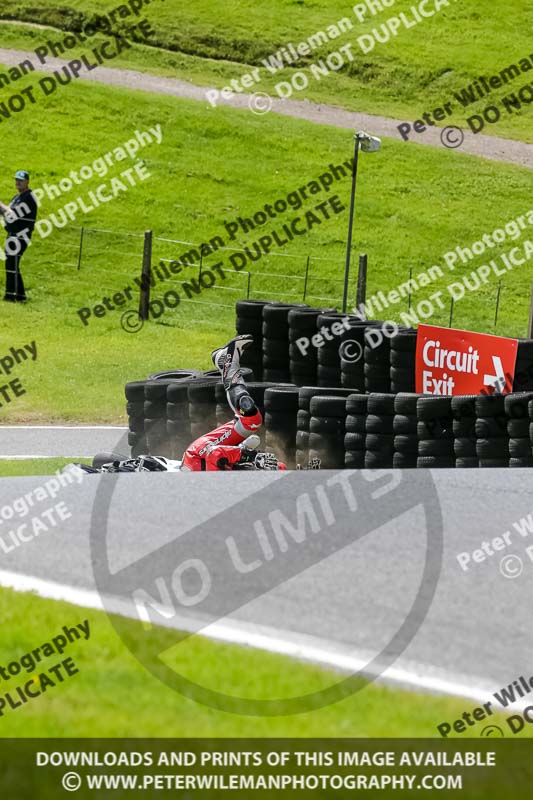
{"points": [[360, 299], [530, 323], [80, 249], [144, 297]]}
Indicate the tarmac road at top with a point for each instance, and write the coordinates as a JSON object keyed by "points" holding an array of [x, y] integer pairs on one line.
{"points": [[60, 441], [350, 594], [490, 147]]}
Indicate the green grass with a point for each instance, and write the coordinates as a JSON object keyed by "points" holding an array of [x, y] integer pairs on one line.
{"points": [[414, 204], [33, 466], [98, 701], [210, 43]]}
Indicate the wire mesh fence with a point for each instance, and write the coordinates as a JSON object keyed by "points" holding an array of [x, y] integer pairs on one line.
{"points": [[208, 281], [500, 306], [200, 282], [59, 252], [90, 261]]}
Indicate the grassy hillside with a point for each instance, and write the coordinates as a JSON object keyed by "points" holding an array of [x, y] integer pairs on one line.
{"points": [[418, 70], [414, 204]]}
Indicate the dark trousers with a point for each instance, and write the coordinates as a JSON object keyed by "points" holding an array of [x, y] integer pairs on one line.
{"points": [[15, 248]]}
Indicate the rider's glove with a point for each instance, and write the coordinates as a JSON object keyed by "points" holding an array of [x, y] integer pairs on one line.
{"points": [[266, 461], [247, 456]]}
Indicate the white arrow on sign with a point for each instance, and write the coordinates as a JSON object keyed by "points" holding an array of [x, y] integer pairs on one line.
{"points": [[498, 381]]}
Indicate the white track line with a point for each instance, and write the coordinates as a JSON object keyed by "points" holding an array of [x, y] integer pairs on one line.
{"points": [[288, 643]]}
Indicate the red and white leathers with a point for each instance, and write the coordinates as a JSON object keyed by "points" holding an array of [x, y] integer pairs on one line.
{"points": [[219, 450]]}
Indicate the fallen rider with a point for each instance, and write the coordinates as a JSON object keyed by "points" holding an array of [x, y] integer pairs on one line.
{"points": [[232, 446]]}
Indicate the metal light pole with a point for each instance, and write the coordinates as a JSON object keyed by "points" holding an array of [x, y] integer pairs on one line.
{"points": [[368, 144]]}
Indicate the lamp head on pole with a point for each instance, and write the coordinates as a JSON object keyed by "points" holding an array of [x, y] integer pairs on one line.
{"points": [[368, 143]]}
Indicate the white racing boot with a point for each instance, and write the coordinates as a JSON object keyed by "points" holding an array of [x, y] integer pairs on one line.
{"points": [[228, 359]]}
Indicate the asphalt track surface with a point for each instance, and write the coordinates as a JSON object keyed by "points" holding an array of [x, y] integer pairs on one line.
{"points": [[344, 581], [59, 441]]}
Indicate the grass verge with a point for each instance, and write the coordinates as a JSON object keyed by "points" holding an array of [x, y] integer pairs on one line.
{"points": [[113, 695], [33, 466]]}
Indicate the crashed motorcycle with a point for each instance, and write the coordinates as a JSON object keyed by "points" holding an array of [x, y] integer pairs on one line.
{"points": [[251, 459]]}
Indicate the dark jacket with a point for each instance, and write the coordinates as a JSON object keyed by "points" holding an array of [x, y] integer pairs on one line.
{"points": [[25, 207]]}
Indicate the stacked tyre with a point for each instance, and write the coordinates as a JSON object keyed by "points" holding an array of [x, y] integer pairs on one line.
{"points": [[202, 406], [275, 328], [178, 418], [517, 408], [403, 361], [183, 375], [352, 360], [435, 432], [281, 410], [405, 431], [377, 360], [530, 408], [155, 418], [305, 395], [523, 373], [328, 357], [250, 321], [379, 431], [355, 425], [303, 418], [492, 438], [135, 411], [147, 434], [327, 429], [302, 352], [146, 419], [464, 431]]}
